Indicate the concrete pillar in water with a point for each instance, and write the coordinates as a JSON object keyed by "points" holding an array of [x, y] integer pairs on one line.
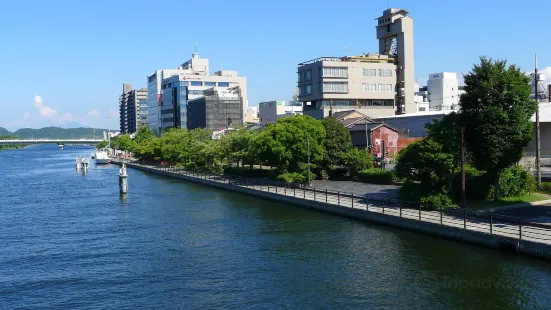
{"points": [[79, 163], [123, 180]]}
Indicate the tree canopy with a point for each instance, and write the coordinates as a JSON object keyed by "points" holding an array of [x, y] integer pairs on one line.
{"points": [[496, 110], [337, 141]]}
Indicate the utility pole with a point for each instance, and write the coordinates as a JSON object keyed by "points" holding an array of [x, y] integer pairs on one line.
{"points": [[308, 144], [536, 80], [463, 202], [366, 142]]}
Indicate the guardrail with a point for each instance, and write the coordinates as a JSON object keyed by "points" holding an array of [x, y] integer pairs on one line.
{"points": [[490, 223]]}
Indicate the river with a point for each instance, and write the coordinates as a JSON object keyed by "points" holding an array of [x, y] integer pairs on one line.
{"points": [[70, 241]]}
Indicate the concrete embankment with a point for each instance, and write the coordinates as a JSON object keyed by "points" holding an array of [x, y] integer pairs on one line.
{"points": [[495, 235]]}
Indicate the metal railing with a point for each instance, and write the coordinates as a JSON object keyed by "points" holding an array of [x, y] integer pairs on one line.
{"points": [[490, 223]]}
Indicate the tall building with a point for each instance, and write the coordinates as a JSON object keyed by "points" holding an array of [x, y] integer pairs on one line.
{"points": [[271, 111], [379, 84], [132, 108], [217, 109], [173, 88]]}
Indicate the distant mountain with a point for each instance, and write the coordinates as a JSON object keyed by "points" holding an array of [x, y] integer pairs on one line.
{"points": [[70, 125], [56, 132], [5, 132]]}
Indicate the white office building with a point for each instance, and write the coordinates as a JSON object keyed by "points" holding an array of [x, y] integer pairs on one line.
{"points": [[443, 91]]}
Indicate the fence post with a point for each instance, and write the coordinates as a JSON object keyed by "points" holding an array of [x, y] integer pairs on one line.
{"points": [[285, 189], [304, 192], [419, 211], [314, 194], [465, 219], [276, 188], [520, 229], [325, 196], [383, 201], [294, 191], [268, 187], [400, 206], [441, 210], [366, 204], [352, 200], [338, 198], [491, 225]]}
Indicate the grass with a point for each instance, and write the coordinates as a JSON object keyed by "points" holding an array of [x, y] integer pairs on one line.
{"points": [[487, 204]]}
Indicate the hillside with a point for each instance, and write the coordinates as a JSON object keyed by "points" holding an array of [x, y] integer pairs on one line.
{"points": [[56, 132], [5, 132]]}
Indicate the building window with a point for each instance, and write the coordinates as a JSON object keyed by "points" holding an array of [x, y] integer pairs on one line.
{"points": [[184, 83], [385, 88], [196, 92], [369, 87], [305, 90], [369, 72], [210, 83], [223, 84], [305, 75], [421, 109], [196, 83], [335, 72], [335, 87], [385, 72]]}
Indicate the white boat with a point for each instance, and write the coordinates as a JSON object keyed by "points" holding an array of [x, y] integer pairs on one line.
{"points": [[101, 157]]}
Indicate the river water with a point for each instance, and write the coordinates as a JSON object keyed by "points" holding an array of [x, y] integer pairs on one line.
{"points": [[70, 241]]}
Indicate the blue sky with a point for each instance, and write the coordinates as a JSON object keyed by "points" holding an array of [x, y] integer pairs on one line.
{"points": [[65, 61]]}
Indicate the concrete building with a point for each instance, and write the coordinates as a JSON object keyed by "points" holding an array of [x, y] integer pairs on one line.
{"points": [[216, 110], [271, 111], [379, 84], [421, 99], [173, 88], [443, 91], [251, 115], [132, 108]]}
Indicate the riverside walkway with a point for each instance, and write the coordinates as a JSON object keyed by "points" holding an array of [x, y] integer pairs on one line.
{"points": [[490, 229]]}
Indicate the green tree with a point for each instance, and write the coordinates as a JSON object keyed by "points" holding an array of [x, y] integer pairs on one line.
{"points": [[144, 133], [283, 144], [356, 160], [101, 145], [447, 133], [123, 142], [337, 141], [425, 161], [496, 110]]}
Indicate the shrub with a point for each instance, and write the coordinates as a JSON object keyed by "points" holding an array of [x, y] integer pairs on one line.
{"points": [[515, 181], [338, 173], [247, 172], [292, 177], [413, 191], [376, 176], [357, 160], [546, 187], [436, 201]]}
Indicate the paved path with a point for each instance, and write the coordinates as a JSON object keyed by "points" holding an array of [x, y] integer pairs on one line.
{"points": [[358, 188], [482, 223]]}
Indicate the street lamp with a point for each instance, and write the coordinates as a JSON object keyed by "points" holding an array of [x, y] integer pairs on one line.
{"points": [[463, 166]]}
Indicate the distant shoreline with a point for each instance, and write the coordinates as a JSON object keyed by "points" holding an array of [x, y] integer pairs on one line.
{"points": [[11, 147]]}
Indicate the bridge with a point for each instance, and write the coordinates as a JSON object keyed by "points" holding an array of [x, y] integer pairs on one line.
{"points": [[51, 141]]}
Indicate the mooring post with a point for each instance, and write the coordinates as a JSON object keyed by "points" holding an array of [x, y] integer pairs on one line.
{"points": [[123, 180]]}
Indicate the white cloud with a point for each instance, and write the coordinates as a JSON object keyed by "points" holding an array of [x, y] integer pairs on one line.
{"points": [[45, 111], [94, 113], [26, 116]]}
